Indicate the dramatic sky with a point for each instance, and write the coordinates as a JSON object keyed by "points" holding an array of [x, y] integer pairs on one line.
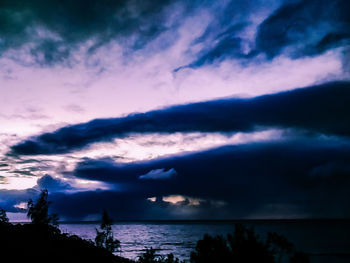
{"points": [[176, 109]]}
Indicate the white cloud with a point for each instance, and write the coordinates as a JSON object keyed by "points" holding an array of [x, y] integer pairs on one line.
{"points": [[159, 174]]}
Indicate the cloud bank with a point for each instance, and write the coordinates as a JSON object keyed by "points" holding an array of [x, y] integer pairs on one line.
{"points": [[319, 109], [304, 177]]}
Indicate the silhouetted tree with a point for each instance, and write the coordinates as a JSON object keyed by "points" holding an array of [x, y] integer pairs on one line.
{"points": [[171, 259], [150, 256], [245, 247], [105, 237], [279, 246], [241, 247], [3, 216], [39, 211], [299, 257]]}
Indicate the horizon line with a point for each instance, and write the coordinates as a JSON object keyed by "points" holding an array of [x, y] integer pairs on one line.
{"points": [[194, 220]]}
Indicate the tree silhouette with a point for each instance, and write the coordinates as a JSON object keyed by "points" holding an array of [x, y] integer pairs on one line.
{"points": [[244, 246], [39, 211], [3, 216], [279, 245], [150, 256], [299, 257], [105, 237]]}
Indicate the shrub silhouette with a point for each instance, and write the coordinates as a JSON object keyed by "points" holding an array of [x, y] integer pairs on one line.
{"points": [[150, 256], [39, 211], [279, 246], [43, 242], [3, 216], [246, 247], [105, 238], [299, 257], [46, 243], [171, 259]]}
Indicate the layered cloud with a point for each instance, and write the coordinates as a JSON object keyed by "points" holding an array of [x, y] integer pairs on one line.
{"points": [[294, 29], [305, 28], [302, 174], [52, 184], [309, 175], [51, 31], [319, 109]]}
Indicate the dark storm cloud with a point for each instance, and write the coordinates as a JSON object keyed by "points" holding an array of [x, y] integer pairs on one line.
{"points": [[10, 198], [346, 60], [226, 46], [225, 167], [296, 29], [320, 109], [307, 28], [123, 206], [52, 29], [52, 184], [222, 39], [84, 204], [309, 175]]}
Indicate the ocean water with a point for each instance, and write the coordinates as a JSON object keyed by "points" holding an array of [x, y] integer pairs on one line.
{"points": [[324, 241]]}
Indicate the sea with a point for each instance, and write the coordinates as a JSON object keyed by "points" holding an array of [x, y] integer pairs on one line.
{"points": [[323, 240]]}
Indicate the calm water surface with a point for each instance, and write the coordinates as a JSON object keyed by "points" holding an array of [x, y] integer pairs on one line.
{"points": [[324, 241]]}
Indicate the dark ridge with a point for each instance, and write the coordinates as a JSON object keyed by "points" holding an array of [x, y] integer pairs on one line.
{"points": [[45, 243]]}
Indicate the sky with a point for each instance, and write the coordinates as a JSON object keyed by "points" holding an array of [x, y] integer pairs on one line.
{"points": [[175, 109]]}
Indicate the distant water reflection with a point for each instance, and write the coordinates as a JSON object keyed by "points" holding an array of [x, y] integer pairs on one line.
{"points": [[325, 241]]}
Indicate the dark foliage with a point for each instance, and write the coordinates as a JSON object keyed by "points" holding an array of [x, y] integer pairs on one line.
{"points": [[246, 247], [3, 216], [39, 211], [299, 257], [279, 246], [45, 243], [150, 256], [42, 241], [105, 238]]}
